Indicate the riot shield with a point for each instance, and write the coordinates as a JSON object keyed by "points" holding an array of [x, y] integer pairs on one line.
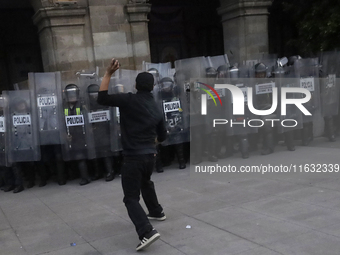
{"points": [[98, 119], [240, 123], [307, 70], [268, 59], [329, 88], [46, 88], [75, 138], [22, 141], [170, 99], [3, 154], [158, 70], [123, 82], [292, 120], [217, 61], [188, 72]]}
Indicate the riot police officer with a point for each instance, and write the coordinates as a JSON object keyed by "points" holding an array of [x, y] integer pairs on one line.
{"points": [[76, 142], [100, 131], [169, 93], [307, 71], [264, 102]]}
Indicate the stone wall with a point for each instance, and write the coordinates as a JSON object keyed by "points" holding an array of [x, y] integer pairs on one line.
{"points": [[245, 27], [90, 33]]}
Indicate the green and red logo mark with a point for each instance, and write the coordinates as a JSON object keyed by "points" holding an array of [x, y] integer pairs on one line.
{"points": [[209, 93]]}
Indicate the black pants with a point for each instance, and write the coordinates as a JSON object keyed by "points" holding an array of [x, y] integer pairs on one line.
{"points": [[136, 179]]}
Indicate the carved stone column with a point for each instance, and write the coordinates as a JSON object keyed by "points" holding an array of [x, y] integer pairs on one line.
{"points": [[245, 27], [62, 38], [137, 12]]}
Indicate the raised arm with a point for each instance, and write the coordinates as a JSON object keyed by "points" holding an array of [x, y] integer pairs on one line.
{"points": [[103, 97], [114, 66]]}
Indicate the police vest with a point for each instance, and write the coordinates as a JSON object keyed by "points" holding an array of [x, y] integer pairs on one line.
{"points": [[77, 111]]}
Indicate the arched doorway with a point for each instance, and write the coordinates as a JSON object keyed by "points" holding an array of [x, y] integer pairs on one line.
{"points": [[19, 44]]}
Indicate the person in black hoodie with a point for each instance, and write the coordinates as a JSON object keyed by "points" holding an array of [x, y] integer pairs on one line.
{"points": [[142, 126]]}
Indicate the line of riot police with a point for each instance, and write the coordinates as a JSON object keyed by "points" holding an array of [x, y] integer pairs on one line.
{"points": [[57, 126], [194, 83]]}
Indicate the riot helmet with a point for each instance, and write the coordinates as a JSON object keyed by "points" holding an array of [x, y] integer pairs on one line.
{"points": [[222, 71], [92, 91], [20, 105], [260, 70], [278, 71], [180, 81], [210, 72], [233, 72], [167, 84], [72, 93], [155, 74], [292, 59]]}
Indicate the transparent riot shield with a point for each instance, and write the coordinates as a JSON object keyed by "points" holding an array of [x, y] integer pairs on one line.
{"points": [[22, 141], [218, 105], [170, 99], [292, 119], [243, 124], [46, 88], [3, 154], [307, 70], [188, 72], [163, 70], [75, 138], [98, 121], [124, 81], [217, 61], [268, 59], [159, 71], [262, 97], [329, 88]]}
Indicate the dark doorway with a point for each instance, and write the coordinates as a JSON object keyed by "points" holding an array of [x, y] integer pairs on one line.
{"points": [[19, 44], [181, 29]]}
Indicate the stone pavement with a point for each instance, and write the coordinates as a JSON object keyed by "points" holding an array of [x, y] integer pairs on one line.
{"points": [[227, 213]]}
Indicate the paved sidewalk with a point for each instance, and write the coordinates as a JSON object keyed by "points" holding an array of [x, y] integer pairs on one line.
{"points": [[244, 214]]}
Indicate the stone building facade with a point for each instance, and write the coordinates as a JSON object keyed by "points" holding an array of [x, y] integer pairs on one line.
{"points": [[83, 34]]}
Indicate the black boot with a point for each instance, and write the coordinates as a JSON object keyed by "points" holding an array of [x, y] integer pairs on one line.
{"points": [[30, 169], [61, 176], [253, 142], [307, 133], [213, 147], [268, 143], [18, 189], [244, 147], [289, 140], [41, 167], [95, 175], [228, 143], [117, 164], [9, 179], [8, 188], [85, 179], [180, 155], [109, 169], [329, 129], [18, 177]]}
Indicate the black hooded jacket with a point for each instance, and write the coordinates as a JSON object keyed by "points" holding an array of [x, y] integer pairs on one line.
{"points": [[140, 120]]}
